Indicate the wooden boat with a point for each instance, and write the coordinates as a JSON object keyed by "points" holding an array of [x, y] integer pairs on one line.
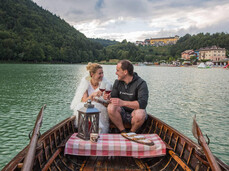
{"points": [[47, 151]]}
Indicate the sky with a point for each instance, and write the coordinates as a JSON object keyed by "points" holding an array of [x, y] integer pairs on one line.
{"points": [[137, 20]]}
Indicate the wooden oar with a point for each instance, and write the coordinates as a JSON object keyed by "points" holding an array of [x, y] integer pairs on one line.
{"points": [[29, 158], [199, 136]]}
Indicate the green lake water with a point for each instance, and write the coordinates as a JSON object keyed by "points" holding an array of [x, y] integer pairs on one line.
{"points": [[176, 95]]}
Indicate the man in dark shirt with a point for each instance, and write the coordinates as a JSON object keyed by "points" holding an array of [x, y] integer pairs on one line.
{"points": [[129, 98]]}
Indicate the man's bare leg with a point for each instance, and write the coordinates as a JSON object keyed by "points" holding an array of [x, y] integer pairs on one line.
{"points": [[115, 116], [138, 118]]}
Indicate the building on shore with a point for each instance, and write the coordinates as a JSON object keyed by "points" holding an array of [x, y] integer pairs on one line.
{"points": [[214, 54], [186, 55]]}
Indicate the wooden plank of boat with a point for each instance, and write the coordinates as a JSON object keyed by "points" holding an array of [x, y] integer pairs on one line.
{"points": [[51, 160], [199, 136]]}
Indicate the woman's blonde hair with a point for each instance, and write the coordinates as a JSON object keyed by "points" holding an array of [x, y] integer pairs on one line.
{"points": [[93, 67]]}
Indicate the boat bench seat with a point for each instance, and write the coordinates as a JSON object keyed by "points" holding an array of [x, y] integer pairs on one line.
{"points": [[126, 125]]}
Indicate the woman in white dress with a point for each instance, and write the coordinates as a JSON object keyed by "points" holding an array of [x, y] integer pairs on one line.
{"points": [[89, 89]]}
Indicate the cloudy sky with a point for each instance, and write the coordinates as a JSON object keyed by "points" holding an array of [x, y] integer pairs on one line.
{"points": [[141, 19]]}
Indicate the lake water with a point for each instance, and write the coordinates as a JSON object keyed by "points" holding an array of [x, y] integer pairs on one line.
{"points": [[176, 95]]}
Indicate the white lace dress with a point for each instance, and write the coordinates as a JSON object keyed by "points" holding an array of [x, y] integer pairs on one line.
{"points": [[76, 104]]}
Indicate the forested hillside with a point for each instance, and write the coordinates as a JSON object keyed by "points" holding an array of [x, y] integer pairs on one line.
{"points": [[30, 33], [124, 50]]}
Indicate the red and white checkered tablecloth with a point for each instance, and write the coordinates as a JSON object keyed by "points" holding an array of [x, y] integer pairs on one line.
{"points": [[115, 145]]}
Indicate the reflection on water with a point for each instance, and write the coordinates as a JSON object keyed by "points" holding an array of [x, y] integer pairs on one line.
{"points": [[176, 95]]}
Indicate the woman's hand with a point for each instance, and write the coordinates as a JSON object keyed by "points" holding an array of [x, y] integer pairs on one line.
{"points": [[96, 94], [106, 96]]}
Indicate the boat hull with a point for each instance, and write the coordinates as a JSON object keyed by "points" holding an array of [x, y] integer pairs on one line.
{"points": [[182, 153]]}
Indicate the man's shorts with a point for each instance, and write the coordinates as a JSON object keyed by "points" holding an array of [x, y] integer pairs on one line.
{"points": [[126, 116]]}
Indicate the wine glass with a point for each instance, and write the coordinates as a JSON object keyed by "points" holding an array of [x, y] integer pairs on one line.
{"points": [[108, 88], [102, 86]]}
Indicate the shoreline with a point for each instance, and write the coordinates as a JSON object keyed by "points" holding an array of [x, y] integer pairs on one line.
{"points": [[107, 63]]}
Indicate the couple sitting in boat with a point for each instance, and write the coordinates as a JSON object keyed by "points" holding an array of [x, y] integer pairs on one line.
{"points": [[128, 98]]}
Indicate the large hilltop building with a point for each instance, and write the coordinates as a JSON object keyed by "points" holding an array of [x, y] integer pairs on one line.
{"points": [[159, 41], [164, 41]]}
